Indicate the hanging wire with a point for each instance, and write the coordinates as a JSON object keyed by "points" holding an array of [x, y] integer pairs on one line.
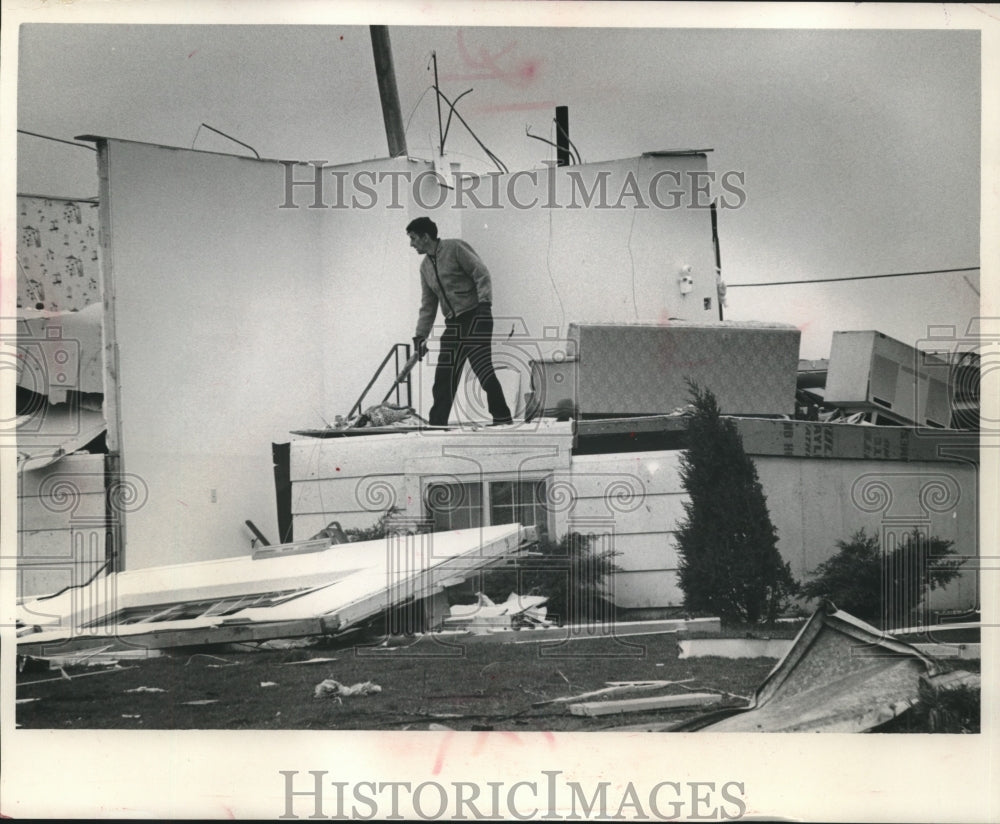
{"points": [[227, 136], [527, 131], [414, 109], [572, 145], [499, 163], [576, 154], [447, 124], [857, 277]]}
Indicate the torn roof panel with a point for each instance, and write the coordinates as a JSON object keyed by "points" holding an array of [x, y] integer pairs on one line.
{"points": [[840, 675], [343, 585]]}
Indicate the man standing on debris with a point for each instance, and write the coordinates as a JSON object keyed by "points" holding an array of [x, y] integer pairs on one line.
{"points": [[454, 276]]}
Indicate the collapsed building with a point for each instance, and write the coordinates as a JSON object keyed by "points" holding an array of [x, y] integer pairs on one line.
{"points": [[182, 422]]}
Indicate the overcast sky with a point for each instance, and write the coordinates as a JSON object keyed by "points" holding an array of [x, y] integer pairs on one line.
{"points": [[860, 149]]}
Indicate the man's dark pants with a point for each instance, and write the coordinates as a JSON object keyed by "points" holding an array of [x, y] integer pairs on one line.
{"points": [[467, 337]]}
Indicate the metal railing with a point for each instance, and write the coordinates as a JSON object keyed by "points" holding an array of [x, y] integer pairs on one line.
{"points": [[393, 354]]}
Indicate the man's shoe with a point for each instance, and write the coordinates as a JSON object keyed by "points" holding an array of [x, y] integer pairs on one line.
{"points": [[503, 422]]}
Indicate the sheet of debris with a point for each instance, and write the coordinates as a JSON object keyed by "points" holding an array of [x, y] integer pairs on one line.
{"points": [[297, 590], [486, 616], [840, 675]]}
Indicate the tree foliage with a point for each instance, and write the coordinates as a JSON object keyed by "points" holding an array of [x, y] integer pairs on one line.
{"points": [[881, 587], [377, 530], [729, 560]]}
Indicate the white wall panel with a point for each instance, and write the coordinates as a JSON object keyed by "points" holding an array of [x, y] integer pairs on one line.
{"points": [[637, 590], [219, 335]]}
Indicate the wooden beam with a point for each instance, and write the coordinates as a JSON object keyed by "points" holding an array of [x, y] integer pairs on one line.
{"points": [[257, 533], [937, 629], [618, 629], [734, 647], [114, 463], [614, 689], [653, 702]]}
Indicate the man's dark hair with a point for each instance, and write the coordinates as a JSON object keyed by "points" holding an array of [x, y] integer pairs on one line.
{"points": [[423, 226]]}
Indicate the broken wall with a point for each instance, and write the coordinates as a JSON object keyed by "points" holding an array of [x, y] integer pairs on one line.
{"points": [[61, 525], [211, 293], [241, 312]]}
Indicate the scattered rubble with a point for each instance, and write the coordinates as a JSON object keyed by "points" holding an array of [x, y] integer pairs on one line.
{"points": [[331, 688], [839, 674], [486, 616], [383, 414]]}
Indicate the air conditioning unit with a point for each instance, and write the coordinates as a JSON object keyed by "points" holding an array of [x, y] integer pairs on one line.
{"points": [[871, 372]]}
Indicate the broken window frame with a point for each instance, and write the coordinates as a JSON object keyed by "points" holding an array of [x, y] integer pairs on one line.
{"points": [[196, 608]]}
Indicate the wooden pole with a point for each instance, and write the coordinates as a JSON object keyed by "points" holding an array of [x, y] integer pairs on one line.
{"points": [[387, 91], [562, 136]]}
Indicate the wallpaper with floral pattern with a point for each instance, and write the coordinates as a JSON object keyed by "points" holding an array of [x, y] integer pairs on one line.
{"points": [[58, 254]]}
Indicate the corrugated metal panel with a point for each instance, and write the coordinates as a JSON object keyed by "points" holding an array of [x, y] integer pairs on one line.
{"points": [[841, 675]]}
